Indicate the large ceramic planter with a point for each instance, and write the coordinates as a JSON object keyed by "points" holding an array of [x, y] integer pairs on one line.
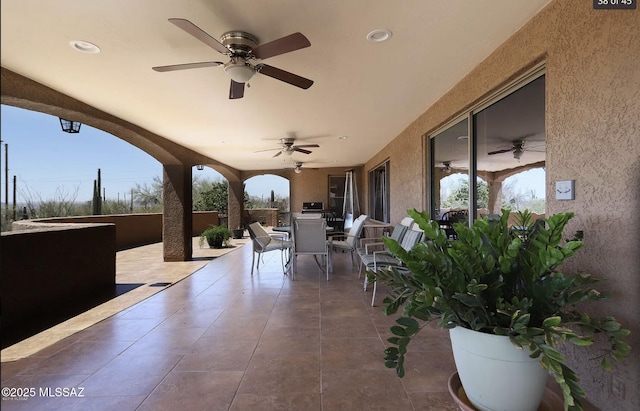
{"points": [[496, 375]]}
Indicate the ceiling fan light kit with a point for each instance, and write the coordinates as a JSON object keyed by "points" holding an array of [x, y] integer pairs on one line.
{"points": [[242, 48], [239, 72]]}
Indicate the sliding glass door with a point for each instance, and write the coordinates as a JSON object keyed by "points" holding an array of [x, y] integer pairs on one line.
{"points": [[379, 193], [492, 157], [450, 170]]}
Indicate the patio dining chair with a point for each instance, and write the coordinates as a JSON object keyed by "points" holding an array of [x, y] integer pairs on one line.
{"points": [[347, 242], [369, 245], [310, 238], [385, 259], [263, 242]]}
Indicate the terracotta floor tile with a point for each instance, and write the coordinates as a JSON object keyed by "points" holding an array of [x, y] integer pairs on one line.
{"points": [[282, 372], [303, 318], [348, 327], [166, 341], [352, 354], [244, 327], [427, 371], [344, 308], [120, 329], [81, 357], [189, 317], [212, 391], [131, 374], [432, 401], [363, 390], [211, 354], [281, 402]]}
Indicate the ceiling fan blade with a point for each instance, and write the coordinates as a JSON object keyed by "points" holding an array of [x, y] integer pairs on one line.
{"points": [[277, 154], [187, 66], [236, 90], [504, 150], [269, 149], [200, 34], [292, 42], [306, 145], [285, 76], [301, 150]]}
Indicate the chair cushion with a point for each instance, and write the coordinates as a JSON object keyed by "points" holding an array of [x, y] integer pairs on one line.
{"points": [[341, 245], [385, 260], [277, 244]]}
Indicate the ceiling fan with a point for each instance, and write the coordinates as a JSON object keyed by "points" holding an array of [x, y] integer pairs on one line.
{"points": [[243, 49], [517, 148], [288, 148]]}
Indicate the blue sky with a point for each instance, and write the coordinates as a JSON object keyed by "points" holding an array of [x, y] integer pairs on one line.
{"points": [[49, 163]]}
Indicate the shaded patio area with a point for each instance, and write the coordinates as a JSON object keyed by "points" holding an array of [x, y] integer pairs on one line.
{"points": [[221, 339]]}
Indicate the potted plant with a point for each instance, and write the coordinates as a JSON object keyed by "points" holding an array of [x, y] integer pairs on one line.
{"points": [[216, 236], [502, 283], [238, 233]]}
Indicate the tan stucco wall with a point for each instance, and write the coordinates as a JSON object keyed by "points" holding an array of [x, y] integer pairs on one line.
{"points": [[593, 137], [313, 185]]}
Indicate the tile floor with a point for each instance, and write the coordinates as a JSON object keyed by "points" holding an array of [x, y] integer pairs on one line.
{"points": [[221, 339]]}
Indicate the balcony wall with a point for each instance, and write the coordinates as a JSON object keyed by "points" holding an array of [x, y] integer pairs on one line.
{"points": [[48, 272], [132, 230]]}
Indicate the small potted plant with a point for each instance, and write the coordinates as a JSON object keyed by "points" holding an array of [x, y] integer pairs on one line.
{"points": [[216, 236], [502, 285], [238, 232]]}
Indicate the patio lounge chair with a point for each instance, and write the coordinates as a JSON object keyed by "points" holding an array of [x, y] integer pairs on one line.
{"points": [[263, 242], [348, 241], [385, 259], [369, 245]]}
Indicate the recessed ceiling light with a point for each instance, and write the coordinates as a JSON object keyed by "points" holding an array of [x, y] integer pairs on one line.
{"points": [[343, 137], [379, 35], [84, 46]]}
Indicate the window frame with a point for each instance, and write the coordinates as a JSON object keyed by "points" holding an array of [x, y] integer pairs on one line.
{"points": [[529, 76]]}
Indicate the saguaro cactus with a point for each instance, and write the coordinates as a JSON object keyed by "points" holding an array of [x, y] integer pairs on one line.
{"points": [[97, 199]]}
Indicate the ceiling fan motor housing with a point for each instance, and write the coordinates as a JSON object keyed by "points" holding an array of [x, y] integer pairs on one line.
{"points": [[240, 43]]}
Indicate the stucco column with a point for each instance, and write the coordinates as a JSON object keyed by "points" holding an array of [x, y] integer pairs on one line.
{"points": [[177, 215], [235, 206], [495, 196]]}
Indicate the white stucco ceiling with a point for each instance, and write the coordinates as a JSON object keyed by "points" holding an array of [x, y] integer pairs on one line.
{"points": [[367, 91]]}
